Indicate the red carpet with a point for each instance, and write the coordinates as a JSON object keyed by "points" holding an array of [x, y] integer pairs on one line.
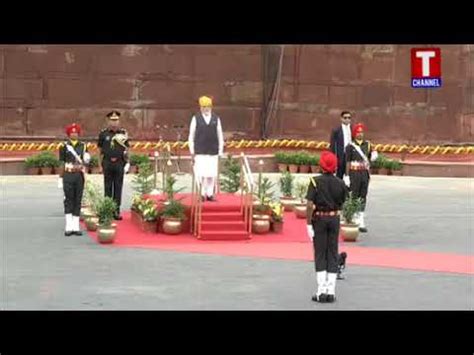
{"points": [[291, 244]]}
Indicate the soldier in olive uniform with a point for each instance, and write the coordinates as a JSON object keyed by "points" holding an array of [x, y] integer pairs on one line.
{"points": [[113, 159], [73, 153]]}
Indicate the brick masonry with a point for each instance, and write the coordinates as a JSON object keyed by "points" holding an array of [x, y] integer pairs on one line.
{"points": [[43, 88]]}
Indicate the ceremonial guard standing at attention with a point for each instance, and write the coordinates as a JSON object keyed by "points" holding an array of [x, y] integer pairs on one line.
{"points": [[326, 195], [113, 159], [359, 154], [206, 144], [73, 153]]}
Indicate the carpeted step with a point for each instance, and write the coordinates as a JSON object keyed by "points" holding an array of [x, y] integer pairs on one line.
{"points": [[214, 207], [224, 235], [222, 216], [223, 225]]}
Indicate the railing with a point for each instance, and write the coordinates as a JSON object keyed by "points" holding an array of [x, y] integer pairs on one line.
{"points": [[196, 206], [247, 185]]}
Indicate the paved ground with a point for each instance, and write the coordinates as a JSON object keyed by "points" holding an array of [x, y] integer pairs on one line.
{"points": [[40, 269]]}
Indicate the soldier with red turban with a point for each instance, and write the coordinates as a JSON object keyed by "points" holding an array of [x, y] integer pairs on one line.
{"points": [[73, 153], [359, 154], [326, 195]]}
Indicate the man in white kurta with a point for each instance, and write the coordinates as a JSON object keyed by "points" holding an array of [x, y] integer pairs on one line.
{"points": [[206, 144]]}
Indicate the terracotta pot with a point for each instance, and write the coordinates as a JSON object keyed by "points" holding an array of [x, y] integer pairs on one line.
{"points": [[46, 170], [300, 210], [92, 223], [282, 168], [172, 225], [95, 170], [374, 171], [304, 169], [350, 232], [277, 227], [397, 172], [288, 203], [149, 227], [58, 170], [34, 171], [315, 169], [293, 168], [260, 224], [106, 235], [383, 171]]}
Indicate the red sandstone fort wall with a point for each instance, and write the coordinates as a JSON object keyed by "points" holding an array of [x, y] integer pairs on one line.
{"points": [[42, 88]]}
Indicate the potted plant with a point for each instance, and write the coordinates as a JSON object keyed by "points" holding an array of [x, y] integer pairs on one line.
{"points": [[277, 217], [262, 211], [149, 216], [94, 165], [136, 160], [314, 164], [106, 209], [396, 167], [300, 206], [286, 188], [92, 197], [135, 209], [350, 229], [230, 180], [33, 165], [384, 165], [172, 216], [304, 162], [376, 165], [47, 161], [293, 161], [143, 182], [282, 161]]}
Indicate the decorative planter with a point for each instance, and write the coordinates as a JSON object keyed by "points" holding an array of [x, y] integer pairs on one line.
{"points": [[397, 172], [288, 203], [293, 168], [300, 210], [47, 170], [374, 171], [315, 169], [172, 225], [34, 171], [350, 232], [304, 169], [92, 223], [95, 170], [260, 224], [277, 227], [106, 235], [149, 227], [58, 170], [383, 171]]}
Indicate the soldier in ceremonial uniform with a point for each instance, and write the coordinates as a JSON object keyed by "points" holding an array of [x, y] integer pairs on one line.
{"points": [[326, 195], [73, 153], [206, 144], [359, 154], [113, 158]]}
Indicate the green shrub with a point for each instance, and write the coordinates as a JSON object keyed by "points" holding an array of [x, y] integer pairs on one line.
{"points": [[287, 184], [230, 181], [106, 209], [139, 159], [173, 209], [350, 208]]}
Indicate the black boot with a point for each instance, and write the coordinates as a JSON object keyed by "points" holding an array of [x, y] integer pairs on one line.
{"points": [[78, 233], [211, 198], [67, 234], [321, 298], [330, 299]]}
